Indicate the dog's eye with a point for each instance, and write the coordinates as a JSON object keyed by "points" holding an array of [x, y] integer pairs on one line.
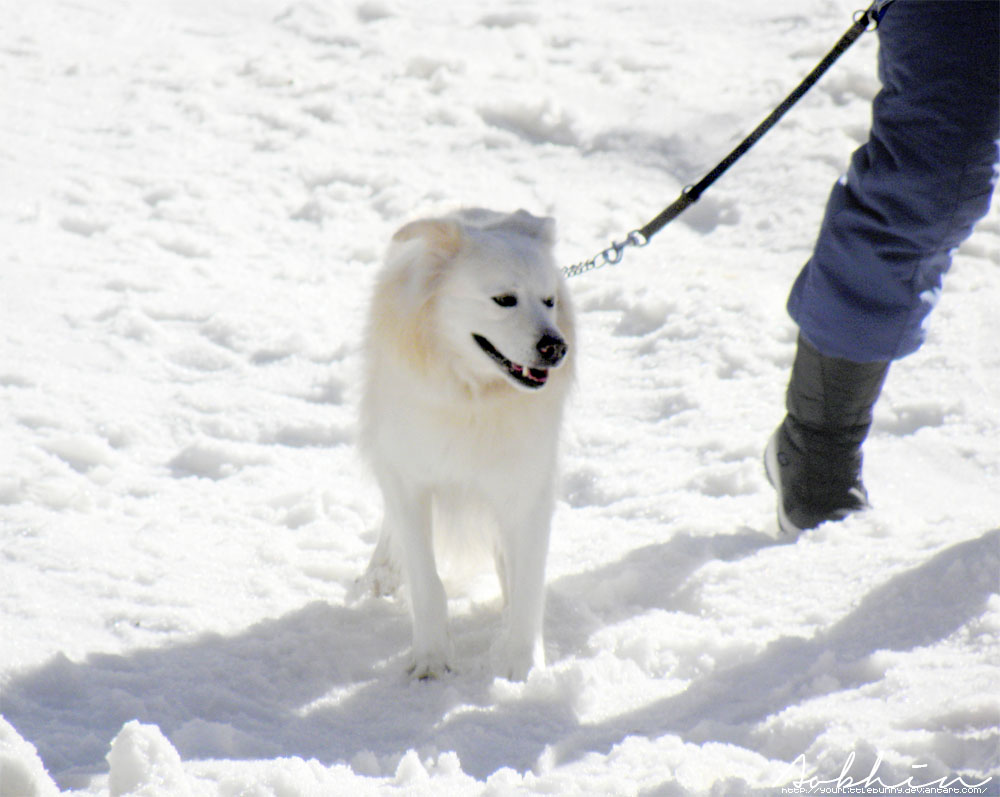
{"points": [[506, 300], [549, 301]]}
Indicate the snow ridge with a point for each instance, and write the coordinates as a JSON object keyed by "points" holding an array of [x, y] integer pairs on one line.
{"points": [[193, 203]]}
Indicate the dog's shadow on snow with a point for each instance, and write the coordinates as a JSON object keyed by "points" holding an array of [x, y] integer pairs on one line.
{"points": [[327, 682]]}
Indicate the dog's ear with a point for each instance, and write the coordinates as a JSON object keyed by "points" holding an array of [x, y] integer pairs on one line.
{"points": [[442, 237], [541, 228], [419, 255]]}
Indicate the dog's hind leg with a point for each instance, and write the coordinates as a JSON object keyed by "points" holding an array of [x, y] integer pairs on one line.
{"points": [[501, 567], [382, 577], [408, 515]]}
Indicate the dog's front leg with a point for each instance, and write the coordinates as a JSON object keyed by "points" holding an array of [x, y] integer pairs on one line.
{"points": [[524, 543], [408, 515]]}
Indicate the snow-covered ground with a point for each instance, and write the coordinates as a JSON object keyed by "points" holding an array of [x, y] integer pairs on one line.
{"points": [[194, 196]]}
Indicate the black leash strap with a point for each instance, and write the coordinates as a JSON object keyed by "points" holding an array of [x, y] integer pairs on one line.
{"points": [[863, 21]]}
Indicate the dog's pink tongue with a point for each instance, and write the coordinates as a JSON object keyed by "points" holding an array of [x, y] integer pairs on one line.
{"points": [[537, 375]]}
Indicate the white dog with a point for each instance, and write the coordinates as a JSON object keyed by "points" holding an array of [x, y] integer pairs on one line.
{"points": [[469, 360]]}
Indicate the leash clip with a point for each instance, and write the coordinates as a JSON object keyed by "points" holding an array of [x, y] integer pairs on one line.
{"points": [[613, 255]]}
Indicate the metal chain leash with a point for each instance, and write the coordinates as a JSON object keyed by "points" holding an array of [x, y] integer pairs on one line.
{"points": [[863, 21]]}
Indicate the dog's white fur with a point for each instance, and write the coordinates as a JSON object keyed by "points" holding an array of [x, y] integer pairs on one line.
{"points": [[452, 435]]}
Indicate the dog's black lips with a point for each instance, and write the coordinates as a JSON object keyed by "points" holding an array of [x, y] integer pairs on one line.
{"points": [[532, 378]]}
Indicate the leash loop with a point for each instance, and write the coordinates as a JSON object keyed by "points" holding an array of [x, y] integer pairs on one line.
{"points": [[871, 18], [863, 21]]}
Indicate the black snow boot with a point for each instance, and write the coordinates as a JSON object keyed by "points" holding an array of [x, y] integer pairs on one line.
{"points": [[813, 460]]}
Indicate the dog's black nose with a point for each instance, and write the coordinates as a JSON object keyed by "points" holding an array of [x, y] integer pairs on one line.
{"points": [[552, 349]]}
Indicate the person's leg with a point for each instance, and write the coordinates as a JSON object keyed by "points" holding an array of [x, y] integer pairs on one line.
{"points": [[914, 191], [912, 194]]}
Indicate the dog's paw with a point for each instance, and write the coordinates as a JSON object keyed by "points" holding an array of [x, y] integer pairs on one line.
{"points": [[381, 580], [428, 667], [514, 662]]}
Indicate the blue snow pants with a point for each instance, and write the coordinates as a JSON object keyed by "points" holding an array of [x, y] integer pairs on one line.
{"points": [[915, 190]]}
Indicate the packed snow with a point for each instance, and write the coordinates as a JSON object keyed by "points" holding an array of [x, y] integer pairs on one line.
{"points": [[194, 198]]}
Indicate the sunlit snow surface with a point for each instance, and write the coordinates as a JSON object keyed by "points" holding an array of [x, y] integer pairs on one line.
{"points": [[194, 197]]}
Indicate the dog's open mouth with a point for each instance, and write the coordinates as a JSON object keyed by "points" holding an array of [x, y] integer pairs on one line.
{"points": [[532, 378]]}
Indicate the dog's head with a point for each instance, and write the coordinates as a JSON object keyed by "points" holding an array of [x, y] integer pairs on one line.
{"points": [[491, 300]]}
